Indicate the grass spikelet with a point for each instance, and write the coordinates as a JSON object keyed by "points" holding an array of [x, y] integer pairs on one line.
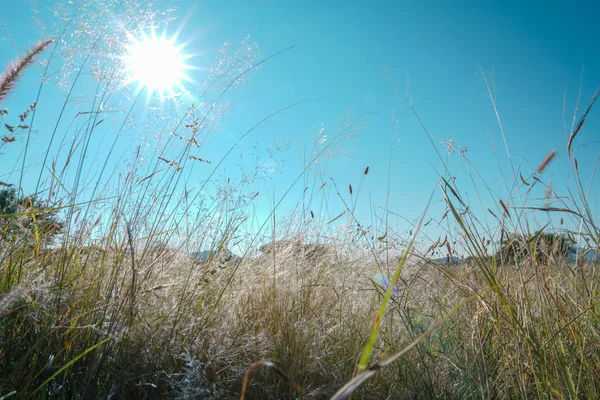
{"points": [[546, 161], [366, 170], [582, 120], [505, 208], [12, 73], [204, 160], [450, 256], [548, 191]]}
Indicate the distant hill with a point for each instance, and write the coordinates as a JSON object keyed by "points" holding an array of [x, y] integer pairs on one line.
{"points": [[204, 255], [444, 260], [591, 255]]}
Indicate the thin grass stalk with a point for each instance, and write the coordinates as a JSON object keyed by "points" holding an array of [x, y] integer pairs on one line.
{"points": [[346, 391], [264, 224], [70, 363], [366, 354], [286, 378], [183, 158]]}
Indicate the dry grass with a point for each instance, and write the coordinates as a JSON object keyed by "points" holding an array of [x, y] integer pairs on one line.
{"points": [[117, 307], [11, 74]]}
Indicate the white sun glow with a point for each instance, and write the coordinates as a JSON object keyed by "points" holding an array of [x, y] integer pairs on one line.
{"points": [[157, 64]]}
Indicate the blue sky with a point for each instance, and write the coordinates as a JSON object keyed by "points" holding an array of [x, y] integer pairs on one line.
{"points": [[533, 55]]}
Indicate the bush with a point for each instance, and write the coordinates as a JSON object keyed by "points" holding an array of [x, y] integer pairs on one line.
{"points": [[27, 218], [541, 247]]}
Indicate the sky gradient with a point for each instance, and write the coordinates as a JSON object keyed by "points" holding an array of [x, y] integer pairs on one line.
{"points": [[535, 57]]}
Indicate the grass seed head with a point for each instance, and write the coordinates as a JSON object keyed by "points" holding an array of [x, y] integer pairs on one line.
{"points": [[546, 161], [13, 72]]}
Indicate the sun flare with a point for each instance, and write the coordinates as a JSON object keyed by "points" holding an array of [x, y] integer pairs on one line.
{"points": [[157, 64]]}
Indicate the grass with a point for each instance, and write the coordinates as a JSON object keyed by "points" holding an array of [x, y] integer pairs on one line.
{"points": [[116, 306]]}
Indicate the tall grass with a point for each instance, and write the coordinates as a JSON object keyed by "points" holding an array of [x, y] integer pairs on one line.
{"points": [[119, 306]]}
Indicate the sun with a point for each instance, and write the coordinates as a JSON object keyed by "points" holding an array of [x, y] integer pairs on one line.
{"points": [[157, 64]]}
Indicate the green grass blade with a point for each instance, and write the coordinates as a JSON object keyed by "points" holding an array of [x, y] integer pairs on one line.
{"points": [[366, 354], [70, 363]]}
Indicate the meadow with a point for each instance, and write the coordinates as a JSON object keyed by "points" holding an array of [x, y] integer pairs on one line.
{"points": [[103, 293]]}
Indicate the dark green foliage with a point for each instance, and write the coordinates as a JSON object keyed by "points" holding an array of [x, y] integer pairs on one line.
{"points": [[541, 247], [27, 218]]}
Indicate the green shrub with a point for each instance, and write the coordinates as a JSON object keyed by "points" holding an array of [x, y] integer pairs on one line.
{"points": [[27, 218]]}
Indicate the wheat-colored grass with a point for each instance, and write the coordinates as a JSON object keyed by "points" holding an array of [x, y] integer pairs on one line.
{"points": [[11, 74]]}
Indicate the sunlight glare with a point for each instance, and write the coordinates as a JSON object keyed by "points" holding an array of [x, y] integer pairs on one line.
{"points": [[157, 64]]}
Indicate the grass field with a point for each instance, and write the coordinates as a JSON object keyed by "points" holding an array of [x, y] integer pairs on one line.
{"points": [[100, 296]]}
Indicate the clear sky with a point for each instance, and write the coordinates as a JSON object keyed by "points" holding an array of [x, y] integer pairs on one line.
{"points": [[532, 54]]}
